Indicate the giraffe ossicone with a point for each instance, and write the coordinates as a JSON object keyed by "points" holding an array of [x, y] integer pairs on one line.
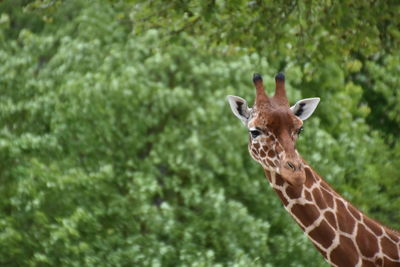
{"points": [[340, 232]]}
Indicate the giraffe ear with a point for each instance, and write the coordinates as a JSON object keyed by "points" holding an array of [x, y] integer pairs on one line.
{"points": [[239, 108], [305, 107]]}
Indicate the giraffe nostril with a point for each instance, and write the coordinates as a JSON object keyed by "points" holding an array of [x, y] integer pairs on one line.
{"points": [[291, 166]]}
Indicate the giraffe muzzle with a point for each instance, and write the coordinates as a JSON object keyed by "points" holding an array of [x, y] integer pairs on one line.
{"points": [[293, 173]]}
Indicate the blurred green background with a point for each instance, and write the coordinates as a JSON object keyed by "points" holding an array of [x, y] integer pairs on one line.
{"points": [[118, 147]]}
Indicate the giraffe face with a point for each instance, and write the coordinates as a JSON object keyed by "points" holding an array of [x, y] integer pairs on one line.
{"points": [[272, 141], [274, 128]]}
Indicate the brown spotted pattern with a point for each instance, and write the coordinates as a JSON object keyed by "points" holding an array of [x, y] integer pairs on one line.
{"points": [[267, 155], [343, 235]]}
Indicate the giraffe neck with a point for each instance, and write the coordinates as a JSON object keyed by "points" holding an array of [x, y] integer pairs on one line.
{"points": [[342, 234]]}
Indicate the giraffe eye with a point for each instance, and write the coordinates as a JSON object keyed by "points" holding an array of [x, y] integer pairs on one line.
{"points": [[255, 133]]}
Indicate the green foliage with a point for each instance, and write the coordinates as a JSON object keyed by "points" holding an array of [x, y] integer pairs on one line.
{"points": [[118, 148]]}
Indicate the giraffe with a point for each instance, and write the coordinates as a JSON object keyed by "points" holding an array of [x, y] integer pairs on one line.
{"points": [[339, 231]]}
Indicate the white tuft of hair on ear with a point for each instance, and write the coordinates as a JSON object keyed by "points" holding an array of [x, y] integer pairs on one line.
{"points": [[305, 107], [239, 108]]}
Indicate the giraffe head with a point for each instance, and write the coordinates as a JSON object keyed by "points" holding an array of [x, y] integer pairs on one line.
{"points": [[274, 127]]}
